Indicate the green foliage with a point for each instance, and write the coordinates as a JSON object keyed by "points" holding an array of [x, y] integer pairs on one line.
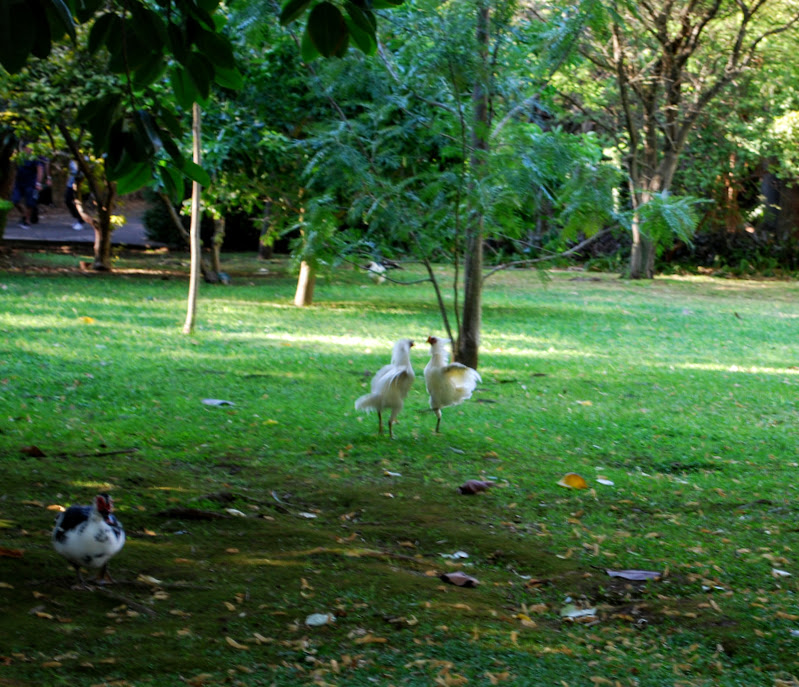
{"points": [[137, 42], [329, 29], [665, 217], [27, 28], [785, 131]]}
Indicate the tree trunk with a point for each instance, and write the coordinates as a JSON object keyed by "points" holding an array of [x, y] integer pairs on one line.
{"points": [[194, 230], [305, 285], [468, 345], [642, 256], [102, 244], [102, 228], [216, 244]]}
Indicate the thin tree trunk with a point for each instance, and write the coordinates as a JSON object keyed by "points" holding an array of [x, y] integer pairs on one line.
{"points": [[305, 285], [468, 345], [208, 274], [194, 230], [642, 255], [216, 244], [442, 308]]}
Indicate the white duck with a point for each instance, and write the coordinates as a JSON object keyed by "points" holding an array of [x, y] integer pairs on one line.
{"points": [[448, 384], [390, 386], [89, 536]]}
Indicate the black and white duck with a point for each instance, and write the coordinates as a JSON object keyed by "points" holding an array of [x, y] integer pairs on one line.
{"points": [[89, 536]]}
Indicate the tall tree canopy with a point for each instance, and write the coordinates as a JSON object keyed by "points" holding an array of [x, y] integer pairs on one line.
{"points": [[668, 60]]}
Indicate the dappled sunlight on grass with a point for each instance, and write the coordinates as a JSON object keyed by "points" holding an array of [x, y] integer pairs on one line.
{"points": [[721, 367]]}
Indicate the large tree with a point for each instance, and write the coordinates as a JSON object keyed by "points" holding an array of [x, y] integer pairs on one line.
{"points": [[668, 60], [439, 147]]}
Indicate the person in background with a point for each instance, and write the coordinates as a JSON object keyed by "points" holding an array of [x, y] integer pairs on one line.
{"points": [[73, 183], [27, 185]]}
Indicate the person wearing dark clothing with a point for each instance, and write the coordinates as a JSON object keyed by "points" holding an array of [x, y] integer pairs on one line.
{"points": [[73, 183], [27, 184]]}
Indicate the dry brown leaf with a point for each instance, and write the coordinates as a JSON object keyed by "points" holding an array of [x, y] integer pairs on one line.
{"points": [[572, 480], [199, 680], [474, 486], [229, 606], [51, 664], [459, 579], [371, 639], [232, 642], [537, 608], [11, 553]]}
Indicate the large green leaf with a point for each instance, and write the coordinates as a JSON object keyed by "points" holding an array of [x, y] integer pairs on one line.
{"points": [[196, 173], [201, 72], [202, 16], [131, 51], [149, 72], [85, 10], [107, 29], [292, 10], [136, 177], [183, 87], [228, 78], [172, 181], [17, 35], [174, 152], [208, 5], [177, 41], [307, 48], [148, 26], [42, 38], [328, 30], [363, 18], [170, 121], [148, 128], [60, 19], [216, 48], [365, 40]]}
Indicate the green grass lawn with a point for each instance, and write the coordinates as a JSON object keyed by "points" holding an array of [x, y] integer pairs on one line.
{"points": [[675, 399]]}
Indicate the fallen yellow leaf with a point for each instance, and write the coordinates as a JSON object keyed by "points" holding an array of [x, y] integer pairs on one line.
{"points": [[573, 481]]}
